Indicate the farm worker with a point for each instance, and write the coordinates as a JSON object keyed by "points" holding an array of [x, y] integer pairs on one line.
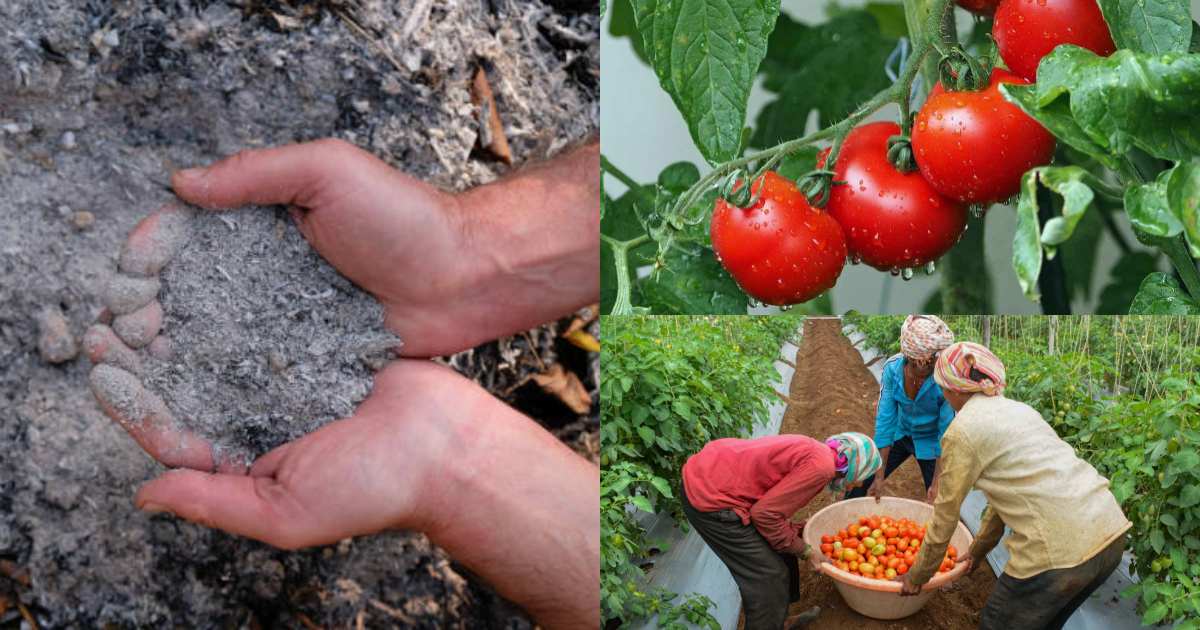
{"points": [[1068, 532], [428, 450], [912, 414], [740, 495]]}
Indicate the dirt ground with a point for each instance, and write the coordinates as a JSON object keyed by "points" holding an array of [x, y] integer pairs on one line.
{"points": [[832, 391], [98, 102]]}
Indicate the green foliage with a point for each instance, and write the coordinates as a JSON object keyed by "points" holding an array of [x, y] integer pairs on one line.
{"points": [[1160, 294], [1028, 242], [706, 53], [671, 385], [832, 68], [1151, 26], [1107, 106]]}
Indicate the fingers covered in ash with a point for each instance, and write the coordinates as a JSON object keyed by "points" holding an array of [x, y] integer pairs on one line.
{"points": [[136, 317]]}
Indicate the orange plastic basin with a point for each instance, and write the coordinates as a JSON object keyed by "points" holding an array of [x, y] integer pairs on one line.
{"points": [[880, 599]]}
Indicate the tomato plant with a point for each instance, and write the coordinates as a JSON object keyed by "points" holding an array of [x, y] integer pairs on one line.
{"points": [[779, 249], [1117, 87], [973, 146], [1027, 30], [670, 385], [893, 220]]}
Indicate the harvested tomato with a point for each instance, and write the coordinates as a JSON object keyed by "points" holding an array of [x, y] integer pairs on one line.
{"points": [[892, 220], [780, 250], [1027, 30], [974, 146], [827, 548], [827, 539]]}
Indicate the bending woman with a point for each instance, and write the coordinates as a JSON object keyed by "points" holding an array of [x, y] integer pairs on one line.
{"points": [[1034, 484], [912, 414], [740, 495]]}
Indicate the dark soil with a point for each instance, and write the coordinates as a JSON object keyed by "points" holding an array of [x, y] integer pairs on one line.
{"points": [[832, 391], [98, 102]]}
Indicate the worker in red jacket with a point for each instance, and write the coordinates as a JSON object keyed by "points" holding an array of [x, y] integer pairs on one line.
{"points": [[740, 495]]}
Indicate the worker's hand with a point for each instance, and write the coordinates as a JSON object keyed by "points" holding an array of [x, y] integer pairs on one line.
{"points": [[451, 270], [429, 451], [876, 489], [907, 588], [815, 558], [972, 561], [931, 494], [384, 467]]}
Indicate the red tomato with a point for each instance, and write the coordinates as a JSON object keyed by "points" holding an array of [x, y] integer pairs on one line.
{"points": [[979, 7], [827, 539], [1027, 30], [901, 568], [827, 548], [974, 146], [779, 250], [891, 219]]}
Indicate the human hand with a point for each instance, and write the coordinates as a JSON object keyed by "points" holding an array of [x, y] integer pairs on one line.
{"points": [[430, 451], [876, 489], [931, 493], [452, 270], [907, 588], [972, 561]]}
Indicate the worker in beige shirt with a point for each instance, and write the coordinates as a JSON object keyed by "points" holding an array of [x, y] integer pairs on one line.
{"points": [[1068, 532]]}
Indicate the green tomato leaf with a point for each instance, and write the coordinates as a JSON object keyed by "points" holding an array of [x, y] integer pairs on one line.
{"points": [[1148, 208], [890, 16], [1127, 100], [1057, 118], [642, 504], [1190, 496], [647, 435], [1151, 26], [1067, 181], [693, 283], [831, 68], [1027, 244], [1157, 540], [706, 54], [1183, 195], [1154, 614], [678, 177], [1160, 294], [662, 486], [622, 24], [1124, 280], [1030, 236]]}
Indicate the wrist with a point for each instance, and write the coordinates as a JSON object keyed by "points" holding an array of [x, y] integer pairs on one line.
{"points": [[521, 510]]}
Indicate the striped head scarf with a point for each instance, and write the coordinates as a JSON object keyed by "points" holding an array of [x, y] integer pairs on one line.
{"points": [[856, 456], [968, 368], [922, 336]]}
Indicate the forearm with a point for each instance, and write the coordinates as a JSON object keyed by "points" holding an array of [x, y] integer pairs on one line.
{"points": [[521, 510], [881, 474], [991, 530], [535, 239]]}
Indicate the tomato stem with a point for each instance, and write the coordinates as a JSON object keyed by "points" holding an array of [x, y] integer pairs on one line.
{"points": [[622, 304]]}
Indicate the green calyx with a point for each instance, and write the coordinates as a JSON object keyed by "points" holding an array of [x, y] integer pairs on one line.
{"points": [[962, 72], [900, 153], [816, 185]]}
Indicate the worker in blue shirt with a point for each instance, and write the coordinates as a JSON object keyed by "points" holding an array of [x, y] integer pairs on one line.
{"points": [[912, 414]]}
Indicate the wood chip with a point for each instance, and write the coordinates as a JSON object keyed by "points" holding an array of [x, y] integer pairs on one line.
{"points": [[491, 130], [583, 339], [565, 386], [33, 624], [16, 573]]}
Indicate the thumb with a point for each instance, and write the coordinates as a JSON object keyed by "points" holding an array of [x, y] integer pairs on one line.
{"points": [[295, 174], [256, 507]]}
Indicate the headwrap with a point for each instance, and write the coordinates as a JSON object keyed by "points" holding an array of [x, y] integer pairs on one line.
{"points": [[967, 368], [922, 336], [856, 456]]}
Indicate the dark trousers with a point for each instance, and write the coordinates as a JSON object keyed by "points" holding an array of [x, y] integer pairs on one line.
{"points": [[1046, 600], [767, 579], [902, 449]]}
